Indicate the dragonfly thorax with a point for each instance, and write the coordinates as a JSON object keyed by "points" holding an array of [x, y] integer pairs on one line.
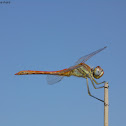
{"points": [[98, 72]]}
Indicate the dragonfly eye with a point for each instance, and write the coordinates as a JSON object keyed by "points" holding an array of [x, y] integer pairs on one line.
{"points": [[98, 72]]}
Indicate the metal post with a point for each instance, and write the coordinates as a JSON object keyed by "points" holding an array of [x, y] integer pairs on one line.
{"points": [[106, 104]]}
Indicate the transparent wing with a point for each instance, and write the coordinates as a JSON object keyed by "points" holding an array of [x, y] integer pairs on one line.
{"points": [[86, 57], [52, 79]]}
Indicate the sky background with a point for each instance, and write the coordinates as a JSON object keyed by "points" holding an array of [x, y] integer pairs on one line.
{"points": [[53, 35]]}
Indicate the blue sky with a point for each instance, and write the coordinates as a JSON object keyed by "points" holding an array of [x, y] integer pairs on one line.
{"points": [[53, 35]]}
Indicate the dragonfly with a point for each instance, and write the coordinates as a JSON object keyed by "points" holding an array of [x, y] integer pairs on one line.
{"points": [[80, 69]]}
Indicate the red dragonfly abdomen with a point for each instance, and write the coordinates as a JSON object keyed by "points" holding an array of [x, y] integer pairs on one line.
{"points": [[63, 72]]}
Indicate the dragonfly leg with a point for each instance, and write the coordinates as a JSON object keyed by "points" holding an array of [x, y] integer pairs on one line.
{"points": [[94, 85], [90, 93], [97, 82]]}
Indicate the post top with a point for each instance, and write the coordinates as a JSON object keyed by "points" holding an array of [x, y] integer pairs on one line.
{"points": [[106, 85]]}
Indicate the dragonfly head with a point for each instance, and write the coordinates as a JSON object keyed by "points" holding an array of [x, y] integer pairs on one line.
{"points": [[98, 72]]}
